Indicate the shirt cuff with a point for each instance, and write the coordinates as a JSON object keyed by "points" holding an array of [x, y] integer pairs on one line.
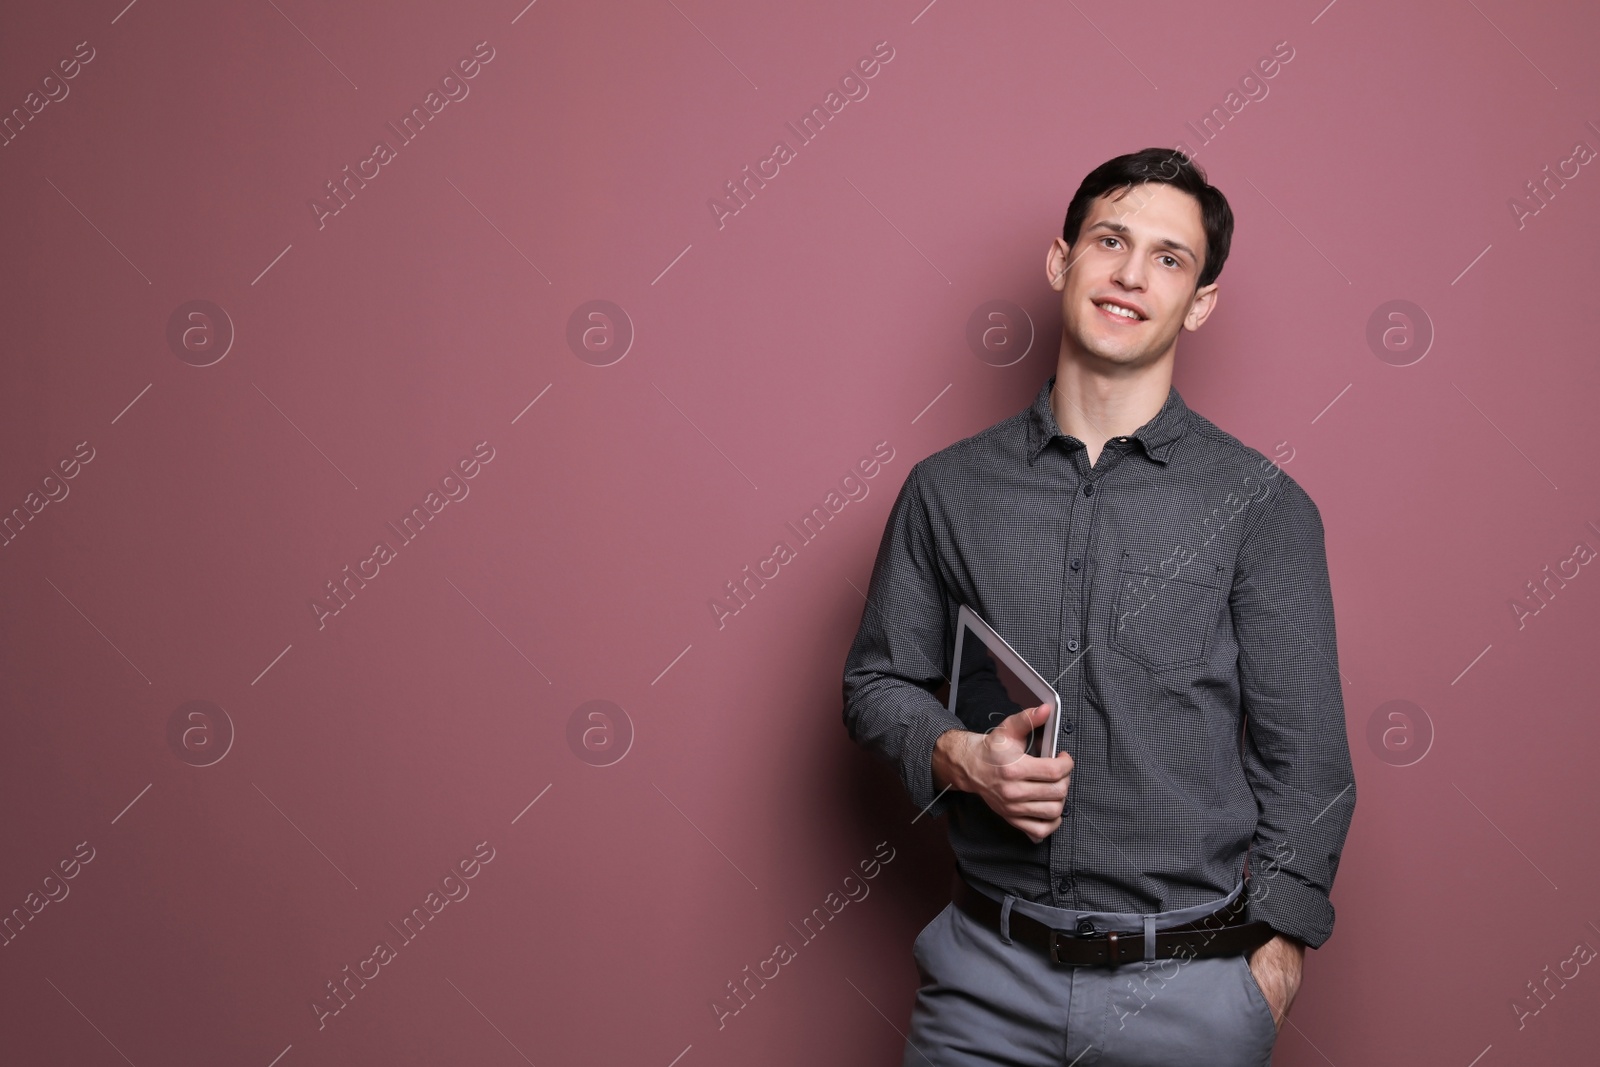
{"points": [[1291, 907], [916, 767]]}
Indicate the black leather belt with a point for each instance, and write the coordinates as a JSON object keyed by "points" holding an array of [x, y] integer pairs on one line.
{"points": [[1218, 934]]}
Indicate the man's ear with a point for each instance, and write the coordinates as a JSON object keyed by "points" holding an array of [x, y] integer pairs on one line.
{"points": [[1056, 262], [1201, 306]]}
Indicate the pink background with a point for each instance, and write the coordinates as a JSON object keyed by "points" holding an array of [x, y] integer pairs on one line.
{"points": [[769, 355]]}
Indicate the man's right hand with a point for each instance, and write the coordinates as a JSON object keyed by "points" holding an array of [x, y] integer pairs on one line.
{"points": [[1024, 790]]}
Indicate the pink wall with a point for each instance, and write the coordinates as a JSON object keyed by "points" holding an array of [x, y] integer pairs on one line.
{"points": [[371, 351]]}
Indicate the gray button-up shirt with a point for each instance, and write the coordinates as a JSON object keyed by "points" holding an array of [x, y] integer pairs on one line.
{"points": [[1177, 594]]}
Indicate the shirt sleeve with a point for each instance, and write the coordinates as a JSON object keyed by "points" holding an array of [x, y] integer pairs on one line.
{"points": [[898, 657], [1296, 751]]}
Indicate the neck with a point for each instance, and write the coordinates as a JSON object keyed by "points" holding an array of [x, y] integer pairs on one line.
{"points": [[1094, 406]]}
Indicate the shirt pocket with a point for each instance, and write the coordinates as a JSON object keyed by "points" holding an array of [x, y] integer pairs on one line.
{"points": [[1165, 610]]}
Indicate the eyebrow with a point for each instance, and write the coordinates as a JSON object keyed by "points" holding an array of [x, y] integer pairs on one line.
{"points": [[1165, 242]]}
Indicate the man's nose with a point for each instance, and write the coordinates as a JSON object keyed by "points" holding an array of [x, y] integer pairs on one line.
{"points": [[1130, 273]]}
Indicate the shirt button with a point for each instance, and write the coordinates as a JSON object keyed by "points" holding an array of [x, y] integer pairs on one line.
{"points": [[1066, 727], [1076, 564], [1072, 646], [1088, 489], [1085, 928], [1066, 809], [1064, 885]]}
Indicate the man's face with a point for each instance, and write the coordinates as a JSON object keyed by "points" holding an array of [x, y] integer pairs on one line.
{"points": [[1140, 249]]}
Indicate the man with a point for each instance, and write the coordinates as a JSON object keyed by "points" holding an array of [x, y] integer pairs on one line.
{"points": [[1172, 583]]}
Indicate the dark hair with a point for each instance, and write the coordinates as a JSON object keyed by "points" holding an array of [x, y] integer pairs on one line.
{"points": [[1165, 166]]}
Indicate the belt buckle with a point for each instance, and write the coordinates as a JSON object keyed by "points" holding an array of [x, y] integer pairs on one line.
{"points": [[1056, 937]]}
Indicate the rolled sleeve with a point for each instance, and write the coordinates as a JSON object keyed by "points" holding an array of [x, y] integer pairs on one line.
{"points": [[1296, 750], [899, 655]]}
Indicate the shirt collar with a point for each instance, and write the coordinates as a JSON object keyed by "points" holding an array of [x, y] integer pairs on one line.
{"points": [[1156, 436]]}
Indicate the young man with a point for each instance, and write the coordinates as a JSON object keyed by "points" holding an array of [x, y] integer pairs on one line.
{"points": [[1172, 583]]}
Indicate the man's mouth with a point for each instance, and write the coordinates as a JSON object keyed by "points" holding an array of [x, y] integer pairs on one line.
{"points": [[1119, 311]]}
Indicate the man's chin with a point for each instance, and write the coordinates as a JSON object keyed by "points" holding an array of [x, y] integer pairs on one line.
{"points": [[1097, 350]]}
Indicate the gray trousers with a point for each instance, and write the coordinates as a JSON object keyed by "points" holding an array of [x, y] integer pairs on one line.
{"points": [[986, 1000]]}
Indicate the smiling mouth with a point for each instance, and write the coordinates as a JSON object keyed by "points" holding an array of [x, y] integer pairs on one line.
{"points": [[1118, 313]]}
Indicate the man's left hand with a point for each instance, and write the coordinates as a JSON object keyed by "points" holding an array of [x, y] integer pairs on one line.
{"points": [[1276, 967]]}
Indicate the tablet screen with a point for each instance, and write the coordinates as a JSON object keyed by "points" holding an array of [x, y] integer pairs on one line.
{"points": [[987, 689]]}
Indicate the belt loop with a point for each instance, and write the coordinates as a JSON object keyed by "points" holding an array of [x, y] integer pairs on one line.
{"points": [[1149, 937], [1005, 919]]}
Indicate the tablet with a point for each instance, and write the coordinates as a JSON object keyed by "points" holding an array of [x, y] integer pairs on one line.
{"points": [[993, 682]]}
